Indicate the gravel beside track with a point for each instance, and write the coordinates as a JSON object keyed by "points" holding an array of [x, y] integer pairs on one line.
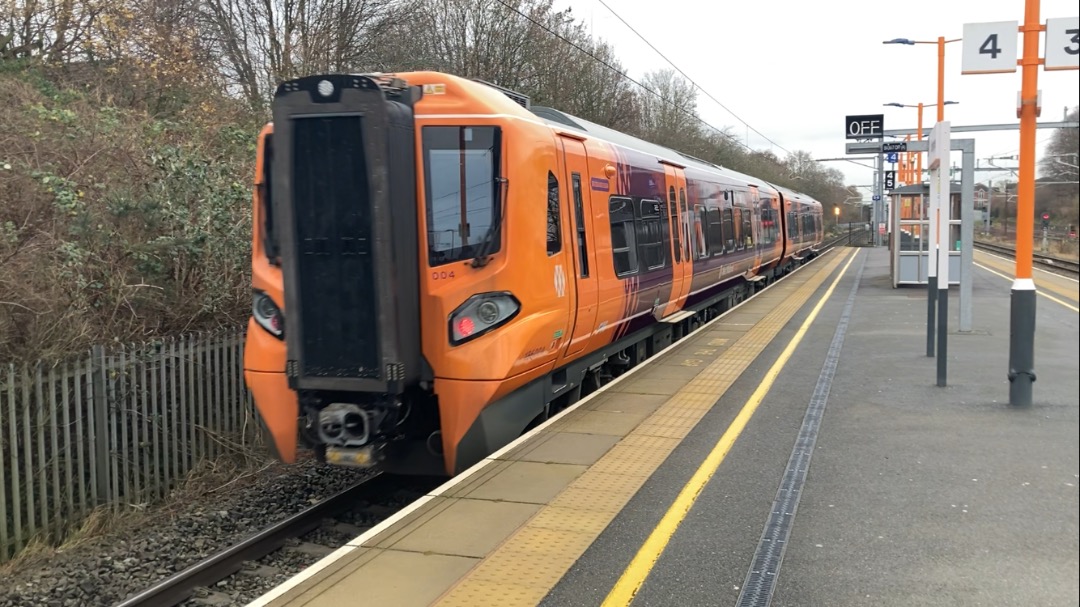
{"points": [[106, 569]]}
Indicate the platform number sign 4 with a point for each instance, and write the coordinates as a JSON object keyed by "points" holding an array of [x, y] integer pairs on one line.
{"points": [[1062, 44], [989, 48]]}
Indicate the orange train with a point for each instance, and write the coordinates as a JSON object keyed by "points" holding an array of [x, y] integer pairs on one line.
{"points": [[438, 265]]}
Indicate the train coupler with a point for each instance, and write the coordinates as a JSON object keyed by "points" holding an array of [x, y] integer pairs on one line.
{"points": [[367, 456]]}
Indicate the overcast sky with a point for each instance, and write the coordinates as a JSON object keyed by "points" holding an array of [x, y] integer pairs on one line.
{"points": [[793, 69]]}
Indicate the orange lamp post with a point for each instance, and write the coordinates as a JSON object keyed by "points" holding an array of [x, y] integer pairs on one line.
{"points": [[919, 133]]}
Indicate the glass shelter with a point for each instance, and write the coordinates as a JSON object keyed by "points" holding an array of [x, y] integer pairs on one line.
{"points": [[909, 234]]}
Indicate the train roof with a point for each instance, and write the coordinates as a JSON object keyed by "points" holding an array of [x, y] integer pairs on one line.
{"points": [[796, 196], [561, 119]]}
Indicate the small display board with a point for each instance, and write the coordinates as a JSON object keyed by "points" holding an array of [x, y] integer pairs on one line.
{"points": [[867, 126]]}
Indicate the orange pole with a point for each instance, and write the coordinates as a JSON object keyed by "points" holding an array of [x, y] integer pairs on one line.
{"points": [[907, 163], [918, 166], [940, 78], [1022, 297], [1025, 207]]}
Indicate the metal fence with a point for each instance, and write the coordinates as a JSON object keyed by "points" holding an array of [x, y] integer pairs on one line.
{"points": [[114, 427]]}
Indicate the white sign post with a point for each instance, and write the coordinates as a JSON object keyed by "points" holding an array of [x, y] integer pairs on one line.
{"points": [[942, 133], [940, 194], [929, 239]]}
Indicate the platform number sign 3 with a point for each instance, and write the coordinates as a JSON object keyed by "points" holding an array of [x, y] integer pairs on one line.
{"points": [[989, 48], [1062, 44]]}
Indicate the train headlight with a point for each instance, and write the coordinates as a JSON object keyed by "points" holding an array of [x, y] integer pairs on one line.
{"points": [[267, 314], [488, 312], [481, 313]]}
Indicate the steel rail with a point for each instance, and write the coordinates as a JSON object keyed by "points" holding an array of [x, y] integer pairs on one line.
{"points": [[181, 586], [1046, 261]]}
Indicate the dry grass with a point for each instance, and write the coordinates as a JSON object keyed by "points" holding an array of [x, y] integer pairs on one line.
{"points": [[101, 522], [226, 473]]}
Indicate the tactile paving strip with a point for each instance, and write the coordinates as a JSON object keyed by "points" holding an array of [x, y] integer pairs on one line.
{"points": [[534, 558]]}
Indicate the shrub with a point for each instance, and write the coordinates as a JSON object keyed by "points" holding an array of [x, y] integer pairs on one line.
{"points": [[119, 221]]}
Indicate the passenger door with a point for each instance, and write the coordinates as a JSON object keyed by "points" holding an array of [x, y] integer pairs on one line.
{"points": [[582, 241], [756, 230], [682, 266]]}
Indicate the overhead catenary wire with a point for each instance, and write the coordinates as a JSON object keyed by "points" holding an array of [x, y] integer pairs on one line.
{"points": [[624, 75], [689, 79]]}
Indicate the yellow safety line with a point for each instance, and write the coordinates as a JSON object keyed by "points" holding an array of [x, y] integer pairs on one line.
{"points": [[634, 575], [1050, 297]]}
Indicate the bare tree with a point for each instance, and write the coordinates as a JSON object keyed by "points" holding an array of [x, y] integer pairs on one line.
{"points": [[1060, 160], [54, 30], [668, 109], [260, 43]]}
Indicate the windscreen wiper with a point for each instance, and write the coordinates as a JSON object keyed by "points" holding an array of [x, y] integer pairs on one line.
{"points": [[482, 255]]}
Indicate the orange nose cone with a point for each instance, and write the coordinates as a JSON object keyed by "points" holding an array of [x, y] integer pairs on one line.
{"points": [[279, 409]]}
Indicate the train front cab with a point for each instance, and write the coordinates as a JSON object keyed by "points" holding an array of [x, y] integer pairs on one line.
{"points": [[334, 311], [380, 264]]}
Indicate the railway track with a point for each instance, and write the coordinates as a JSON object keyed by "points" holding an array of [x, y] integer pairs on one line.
{"points": [[1059, 264], [197, 582]]}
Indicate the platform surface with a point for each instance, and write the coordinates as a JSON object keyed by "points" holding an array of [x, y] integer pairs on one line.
{"points": [[915, 494]]}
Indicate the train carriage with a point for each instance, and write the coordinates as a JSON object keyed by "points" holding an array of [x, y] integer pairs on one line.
{"points": [[438, 265]]}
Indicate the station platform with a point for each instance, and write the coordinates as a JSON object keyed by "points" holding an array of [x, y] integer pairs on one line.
{"points": [[795, 451]]}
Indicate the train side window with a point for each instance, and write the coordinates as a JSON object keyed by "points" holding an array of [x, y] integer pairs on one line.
{"points": [[729, 231], [701, 225], [747, 228], [675, 221], [579, 212], [623, 241], [554, 229], [651, 234], [770, 221], [685, 223], [716, 232], [792, 228], [737, 224]]}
